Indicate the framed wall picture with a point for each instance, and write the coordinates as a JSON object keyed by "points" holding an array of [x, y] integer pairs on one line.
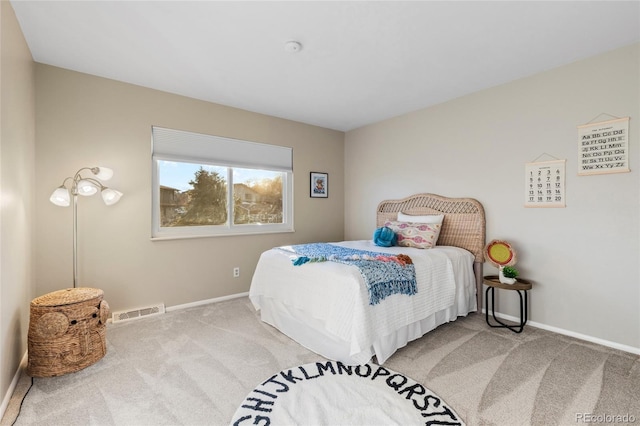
{"points": [[603, 147], [319, 185]]}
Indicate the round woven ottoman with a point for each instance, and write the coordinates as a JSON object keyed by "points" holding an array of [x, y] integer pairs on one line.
{"points": [[66, 331]]}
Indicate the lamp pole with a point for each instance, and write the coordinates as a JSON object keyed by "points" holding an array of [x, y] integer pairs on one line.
{"points": [[75, 237]]}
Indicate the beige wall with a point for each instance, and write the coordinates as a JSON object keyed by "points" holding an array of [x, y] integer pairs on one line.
{"points": [[582, 258], [84, 120], [17, 141]]}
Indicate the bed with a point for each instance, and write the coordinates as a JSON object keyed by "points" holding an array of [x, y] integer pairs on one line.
{"points": [[325, 306]]}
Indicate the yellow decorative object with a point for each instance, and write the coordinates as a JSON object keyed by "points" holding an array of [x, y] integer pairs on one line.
{"points": [[500, 253]]}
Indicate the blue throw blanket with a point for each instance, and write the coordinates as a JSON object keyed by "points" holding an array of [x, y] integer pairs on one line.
{"points": [[384, 274]]}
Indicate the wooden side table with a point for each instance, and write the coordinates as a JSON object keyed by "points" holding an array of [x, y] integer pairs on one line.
{"points": [[521, 286]]}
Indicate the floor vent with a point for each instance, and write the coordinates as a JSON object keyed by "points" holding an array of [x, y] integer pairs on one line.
{"points": [[137, 313]]}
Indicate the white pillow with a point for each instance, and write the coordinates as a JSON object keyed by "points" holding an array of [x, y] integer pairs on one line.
{"points": [[428, 218]]}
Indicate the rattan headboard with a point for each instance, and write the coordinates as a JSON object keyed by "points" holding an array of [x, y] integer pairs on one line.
{"points": [[464, 224]]}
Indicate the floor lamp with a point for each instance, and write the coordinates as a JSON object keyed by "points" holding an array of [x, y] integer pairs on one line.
{"points": [[68, 192]]}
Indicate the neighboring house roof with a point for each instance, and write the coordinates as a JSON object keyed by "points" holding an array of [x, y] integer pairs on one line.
{"points": [[245, 188]]}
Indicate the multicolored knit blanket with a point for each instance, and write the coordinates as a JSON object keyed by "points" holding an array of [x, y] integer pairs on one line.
{"points": [[383, 274]]}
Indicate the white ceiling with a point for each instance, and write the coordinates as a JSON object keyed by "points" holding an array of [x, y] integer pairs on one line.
{"points": [[361, 62]]}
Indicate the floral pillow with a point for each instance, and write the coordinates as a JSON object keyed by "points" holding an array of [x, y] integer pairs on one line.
{"points": [[418, 235]]}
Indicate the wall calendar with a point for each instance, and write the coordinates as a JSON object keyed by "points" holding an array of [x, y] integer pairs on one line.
{"points": [[544, 184]]}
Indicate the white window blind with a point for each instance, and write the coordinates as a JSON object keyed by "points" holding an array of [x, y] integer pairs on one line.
{"points": [[196, 147]]}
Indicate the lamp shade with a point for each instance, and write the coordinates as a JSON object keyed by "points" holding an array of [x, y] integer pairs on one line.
{"points": [[60, 197], [86, 188], [110, 196], [104, 173]]}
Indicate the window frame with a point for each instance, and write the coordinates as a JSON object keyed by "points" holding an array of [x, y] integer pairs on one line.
{"points": [[229, 228]]}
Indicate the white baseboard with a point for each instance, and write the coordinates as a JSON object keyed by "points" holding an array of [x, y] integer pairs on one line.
{"points": [[206, 302], [12, 386], [564, 332], [535, 324], [198, 303]]}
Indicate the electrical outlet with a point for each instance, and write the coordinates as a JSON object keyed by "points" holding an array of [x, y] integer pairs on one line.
{"points": [[236, 272]]}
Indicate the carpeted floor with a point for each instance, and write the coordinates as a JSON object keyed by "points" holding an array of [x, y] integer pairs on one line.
{"points": [[195, 366]]}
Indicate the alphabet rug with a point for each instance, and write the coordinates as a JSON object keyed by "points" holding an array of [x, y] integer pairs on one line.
{"points": [[332, 393]]}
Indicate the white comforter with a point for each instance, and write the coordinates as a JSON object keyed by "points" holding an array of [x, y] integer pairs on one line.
{"points": [[335, 295]]}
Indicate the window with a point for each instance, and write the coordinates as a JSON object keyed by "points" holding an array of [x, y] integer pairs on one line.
{"points": [[208, 185]]}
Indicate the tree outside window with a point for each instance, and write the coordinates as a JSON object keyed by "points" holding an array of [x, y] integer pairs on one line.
{"points": [[203, 199]]}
